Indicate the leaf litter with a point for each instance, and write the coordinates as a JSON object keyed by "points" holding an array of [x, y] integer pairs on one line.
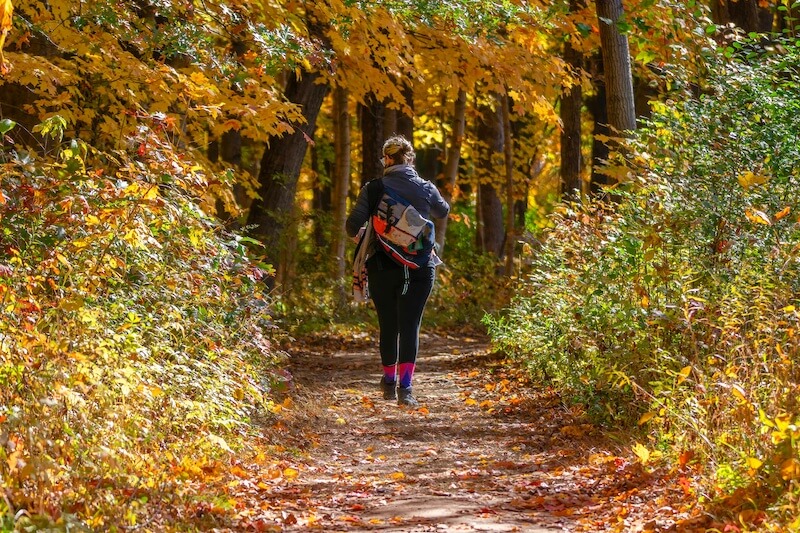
{"points": [[486, 451]]}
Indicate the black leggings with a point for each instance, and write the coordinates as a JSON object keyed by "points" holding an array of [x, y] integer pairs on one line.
{"points": [[399, 296]]}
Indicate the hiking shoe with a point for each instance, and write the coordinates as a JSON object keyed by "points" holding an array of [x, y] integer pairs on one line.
{"points": [[404, 397], [389, 389]]}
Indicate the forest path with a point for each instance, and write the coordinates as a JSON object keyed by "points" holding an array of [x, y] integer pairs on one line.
{"points": [[483, 453]]}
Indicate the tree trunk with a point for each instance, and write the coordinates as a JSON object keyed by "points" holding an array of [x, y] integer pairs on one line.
{"points": [[405, 122], [451, 162], [747, 15], [372, 137], [229, 149], [617, 68], [597, 107], [571, 103], [508, 153], [280, 166], [490, 133], [322, 201], [341, 177]]}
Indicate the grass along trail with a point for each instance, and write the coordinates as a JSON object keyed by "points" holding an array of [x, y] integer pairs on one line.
{"points": [[484, 452]]}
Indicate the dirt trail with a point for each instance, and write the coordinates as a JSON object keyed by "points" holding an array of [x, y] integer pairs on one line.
{"points": [[482, 454]]}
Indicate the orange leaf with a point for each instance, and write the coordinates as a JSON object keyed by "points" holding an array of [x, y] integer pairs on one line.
{"points": [[782, 213], [685, 457], [6, 10], [790, 469]]}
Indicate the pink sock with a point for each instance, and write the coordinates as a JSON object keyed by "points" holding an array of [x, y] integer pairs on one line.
{"points": [[406, 374], [390, 373]]}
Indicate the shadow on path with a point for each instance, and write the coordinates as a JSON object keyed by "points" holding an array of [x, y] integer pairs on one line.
{"points": [[483, 453]]}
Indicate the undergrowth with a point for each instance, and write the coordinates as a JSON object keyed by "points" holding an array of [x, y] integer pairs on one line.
{"points": [[676, 308], [135, 340]]}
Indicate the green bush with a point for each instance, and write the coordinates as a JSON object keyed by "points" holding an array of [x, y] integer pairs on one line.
{"points": [[677, 305]]}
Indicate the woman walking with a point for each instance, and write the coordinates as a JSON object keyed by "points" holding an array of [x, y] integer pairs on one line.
{"points": [[399, 293]]}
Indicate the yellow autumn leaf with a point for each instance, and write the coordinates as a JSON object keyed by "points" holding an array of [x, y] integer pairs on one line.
{"points": [[748, 179], [151, 193], [6, 10], [290, 473], [754, 463], [684, 373], [397, 476], [783, 422], [471, 401], [739, 392], [641, 452], [757, 217], [646, 417]]}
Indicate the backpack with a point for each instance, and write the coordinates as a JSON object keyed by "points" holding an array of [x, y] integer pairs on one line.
{"points": [[402, 232]]}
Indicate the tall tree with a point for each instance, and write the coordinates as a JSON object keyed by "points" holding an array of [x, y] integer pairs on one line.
{"points": [[281, 163], [745, 14], [616, 66], [452, 159], [491, 231], [508, 158], [405, 116], [597, 106], [571, 104], [372, 115], [341, 177]]}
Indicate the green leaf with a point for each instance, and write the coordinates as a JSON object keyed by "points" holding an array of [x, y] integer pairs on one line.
{"points": [[624, 27], [711, 29], [6, 125], [645, 56]]}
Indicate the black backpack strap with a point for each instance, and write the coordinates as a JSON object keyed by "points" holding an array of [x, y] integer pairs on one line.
{"points": [[374, 193]]}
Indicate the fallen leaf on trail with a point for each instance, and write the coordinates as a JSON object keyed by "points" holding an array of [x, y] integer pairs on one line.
{"points": [[471, 401], [397, 476], [290, 473], [575, 431], [273, 473]]}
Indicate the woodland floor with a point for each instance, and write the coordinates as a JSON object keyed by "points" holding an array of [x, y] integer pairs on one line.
{"points": [[485, 452]]}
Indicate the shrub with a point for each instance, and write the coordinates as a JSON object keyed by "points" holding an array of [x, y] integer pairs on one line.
{"points": [[134, 338], [677, 306]]}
